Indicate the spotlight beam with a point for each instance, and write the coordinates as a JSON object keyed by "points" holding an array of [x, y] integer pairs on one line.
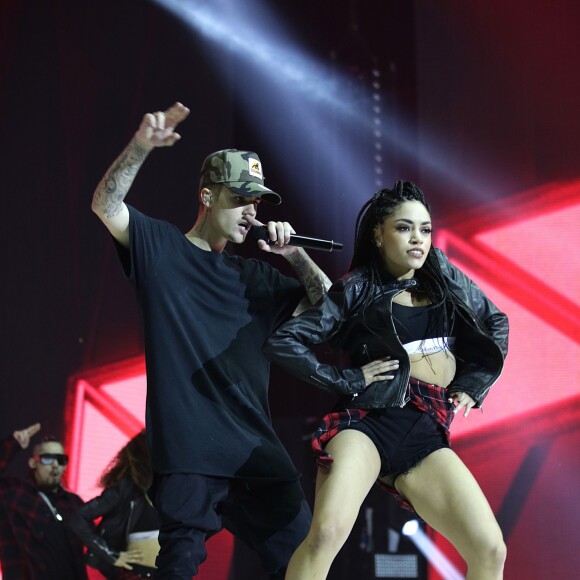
{"points": [[251, 32], [432, 553]]}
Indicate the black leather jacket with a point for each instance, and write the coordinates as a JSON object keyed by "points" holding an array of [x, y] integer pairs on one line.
{"points": [[481, 344], [120, 507]]}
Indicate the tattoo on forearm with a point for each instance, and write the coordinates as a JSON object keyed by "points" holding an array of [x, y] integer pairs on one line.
{"points": [[116, 182], [315, 281]]}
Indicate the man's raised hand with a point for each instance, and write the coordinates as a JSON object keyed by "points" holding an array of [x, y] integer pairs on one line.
{"points": [[23, 435], [158, 129]]}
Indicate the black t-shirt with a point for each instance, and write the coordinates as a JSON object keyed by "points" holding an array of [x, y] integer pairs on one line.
{"points": [[206, 316]]}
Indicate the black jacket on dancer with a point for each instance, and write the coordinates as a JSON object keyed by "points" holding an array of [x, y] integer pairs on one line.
{"points": [[121, 508], [368, 334]]}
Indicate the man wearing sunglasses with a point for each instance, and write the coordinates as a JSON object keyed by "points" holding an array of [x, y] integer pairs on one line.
{"points": [[35, 542]]}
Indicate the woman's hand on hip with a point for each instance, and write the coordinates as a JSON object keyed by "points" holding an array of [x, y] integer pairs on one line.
{"points": [[461, 401], [380, 370], [125, 559]]}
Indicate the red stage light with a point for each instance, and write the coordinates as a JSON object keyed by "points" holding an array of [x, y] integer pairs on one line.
{"points": [[105, 408]]}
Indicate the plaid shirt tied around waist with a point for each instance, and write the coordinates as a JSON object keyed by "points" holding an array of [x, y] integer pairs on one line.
{"points": [[425, 397]]}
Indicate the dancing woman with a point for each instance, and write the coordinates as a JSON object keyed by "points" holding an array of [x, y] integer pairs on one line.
{"points": [[424, 343]]}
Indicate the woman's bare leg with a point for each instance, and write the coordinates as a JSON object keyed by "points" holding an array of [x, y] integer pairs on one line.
{"points": [[446, 495], [340, 492]]}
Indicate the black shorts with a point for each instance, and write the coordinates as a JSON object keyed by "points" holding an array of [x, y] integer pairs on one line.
{"points": [[403, 437]]}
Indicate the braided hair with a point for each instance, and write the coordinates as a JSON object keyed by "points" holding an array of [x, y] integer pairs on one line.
{"points": [[366, 254], [372, 214]]}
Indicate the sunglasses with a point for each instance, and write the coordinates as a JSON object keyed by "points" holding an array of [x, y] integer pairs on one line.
{"points": [[50, 458]]}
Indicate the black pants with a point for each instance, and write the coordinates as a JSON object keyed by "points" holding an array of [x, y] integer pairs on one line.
{"points": [[271, 518]]}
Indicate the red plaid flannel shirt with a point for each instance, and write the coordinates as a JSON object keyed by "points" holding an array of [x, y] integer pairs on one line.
{"points": [[24, 518], [426, 397]]}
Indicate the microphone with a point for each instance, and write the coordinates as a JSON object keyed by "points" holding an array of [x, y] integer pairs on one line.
{"points": [[261, 233]]}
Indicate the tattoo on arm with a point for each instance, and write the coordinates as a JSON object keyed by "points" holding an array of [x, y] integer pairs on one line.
{"points": [[315, 281], [116, 182]]}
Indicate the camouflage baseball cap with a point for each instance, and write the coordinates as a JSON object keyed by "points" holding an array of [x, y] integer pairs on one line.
{"points": [[240, 171]]}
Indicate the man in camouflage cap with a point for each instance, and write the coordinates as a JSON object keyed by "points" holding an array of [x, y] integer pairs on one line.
{"points": [[240, 171], [216, 459]]}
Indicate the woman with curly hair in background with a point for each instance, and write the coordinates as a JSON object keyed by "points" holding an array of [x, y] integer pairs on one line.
{"points": [[124, 545]]}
